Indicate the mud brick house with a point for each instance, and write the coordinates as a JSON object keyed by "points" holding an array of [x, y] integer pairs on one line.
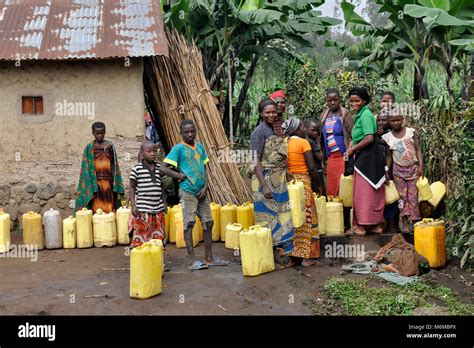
{"points": [[65, 64]]}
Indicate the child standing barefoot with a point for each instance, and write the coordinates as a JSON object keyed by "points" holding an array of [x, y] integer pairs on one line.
{"points": [[146, 198], [407, 168]]}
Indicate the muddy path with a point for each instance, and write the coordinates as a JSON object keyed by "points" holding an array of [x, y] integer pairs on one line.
{"points": [[96, 282]]}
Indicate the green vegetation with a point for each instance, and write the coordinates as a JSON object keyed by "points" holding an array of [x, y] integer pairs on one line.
{"points": [[358, 298], [421, 50]]}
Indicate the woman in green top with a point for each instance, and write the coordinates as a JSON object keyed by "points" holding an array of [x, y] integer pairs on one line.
{"points": [[369, 167]]}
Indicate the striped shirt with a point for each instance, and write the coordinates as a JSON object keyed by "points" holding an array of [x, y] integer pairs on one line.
{"points": [[330, 123], [149, 196]]}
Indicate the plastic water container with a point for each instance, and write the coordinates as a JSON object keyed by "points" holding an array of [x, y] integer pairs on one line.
{"points": [[167, 223], [439, 191], [252, 214], [256, 250], [334, 219], [146, 270], [243, 215], [430, 241], [179, 230], [321, 211], [84, 229], [424, 188], [391, 193], [174, 225], [198, 227], [33, 233], [105, 233], [216, 216], [53, 229], [232, 236], [4, 232], [345, 190], [228, 216], [69, 233], [297, 203], [122, 216]]}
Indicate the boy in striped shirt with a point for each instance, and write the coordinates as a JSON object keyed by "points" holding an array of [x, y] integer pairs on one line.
{"points": [[146, 197]]}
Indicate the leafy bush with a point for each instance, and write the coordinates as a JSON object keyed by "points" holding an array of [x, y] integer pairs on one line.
{"points": [[307, 87]]}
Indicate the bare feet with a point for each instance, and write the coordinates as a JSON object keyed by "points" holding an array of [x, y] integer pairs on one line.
{"points": [[356, 231], [309, 262]]}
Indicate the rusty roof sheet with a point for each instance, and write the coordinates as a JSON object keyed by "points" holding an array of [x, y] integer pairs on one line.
{"points": [[67, 29]]}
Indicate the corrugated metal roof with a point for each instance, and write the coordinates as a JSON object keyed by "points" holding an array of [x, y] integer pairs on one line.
{"points": [[65, 29]]}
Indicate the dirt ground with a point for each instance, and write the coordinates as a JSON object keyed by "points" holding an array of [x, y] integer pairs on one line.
{"points": [[96, 282]]}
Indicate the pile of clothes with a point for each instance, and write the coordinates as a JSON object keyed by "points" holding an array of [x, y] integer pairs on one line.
{"points": [[397, 262]]}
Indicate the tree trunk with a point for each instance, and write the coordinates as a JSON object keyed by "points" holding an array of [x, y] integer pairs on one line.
{"points": [[225, 118], [245, 88], [465, 79], [420, 86]]}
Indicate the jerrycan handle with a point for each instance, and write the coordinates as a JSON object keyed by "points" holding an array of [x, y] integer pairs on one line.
{"points": [[427, 220]]}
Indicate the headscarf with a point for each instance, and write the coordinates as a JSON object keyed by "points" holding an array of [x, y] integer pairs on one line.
{"points": [[291, 125], [277, 94], [361, 92]]}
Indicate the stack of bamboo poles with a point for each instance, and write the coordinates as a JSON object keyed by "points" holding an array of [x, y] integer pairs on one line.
{"points": [[178, 90]]}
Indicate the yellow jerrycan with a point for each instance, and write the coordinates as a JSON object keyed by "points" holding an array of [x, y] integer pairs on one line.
{"points": [[177, 209], [297, 203], [228, 216], [252, 214], [105, 232], [122, 216], [198, 227], [84, 229], [146, 270], [345, 190], [4, 232], [334, 219], [320, 202], [243, 215], [424, 188], [33, 232], [179, 230], [391, 193], [256, 251], [216, 216], [439, 191], [69, 233], [430, 241], [167, 223], [232, 236]]}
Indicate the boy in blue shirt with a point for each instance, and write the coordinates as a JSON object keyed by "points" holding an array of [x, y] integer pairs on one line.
{"points": [[190, 158]]}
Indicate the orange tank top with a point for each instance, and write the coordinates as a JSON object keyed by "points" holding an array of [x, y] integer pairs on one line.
{"points": [[296, 148]]}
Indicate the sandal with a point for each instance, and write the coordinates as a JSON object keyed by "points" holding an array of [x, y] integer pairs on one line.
{"points": [[217, 261], [197, 265]]}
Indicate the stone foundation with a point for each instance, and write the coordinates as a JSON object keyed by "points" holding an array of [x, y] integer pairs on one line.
{"points": [[38, 186]]}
